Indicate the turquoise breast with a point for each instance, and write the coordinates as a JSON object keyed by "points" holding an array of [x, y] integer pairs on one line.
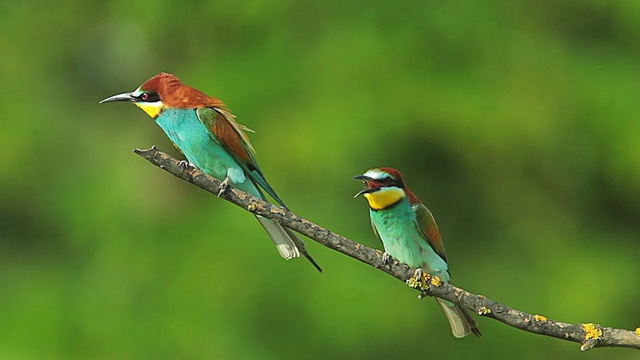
{"points": [[401, 238], [186, 131]]}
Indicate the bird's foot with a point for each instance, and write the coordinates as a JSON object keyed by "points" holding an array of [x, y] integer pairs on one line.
{"points": [[185, 165], [387, 260], [224, 186], [419, 280]]}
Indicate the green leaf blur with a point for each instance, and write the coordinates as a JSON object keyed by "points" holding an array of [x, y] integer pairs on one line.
{"points": [[515, 122]]}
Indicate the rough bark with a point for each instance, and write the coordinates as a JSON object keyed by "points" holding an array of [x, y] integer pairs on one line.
{"points": [[588, 334]]}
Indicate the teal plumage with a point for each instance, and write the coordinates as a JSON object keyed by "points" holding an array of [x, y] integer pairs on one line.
{"points": [[185, 129], [206, 132], [410, 235], [402, 239]]}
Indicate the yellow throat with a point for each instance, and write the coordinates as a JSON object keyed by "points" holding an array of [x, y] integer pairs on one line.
{"points": [[152, 109], [382, 199]]}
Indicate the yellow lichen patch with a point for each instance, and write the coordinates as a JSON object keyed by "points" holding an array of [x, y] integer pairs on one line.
{"points": [[436, 281], [638, 331], [414, 283], [592, 331], [484, 311], [419, 280], [540, 317]]}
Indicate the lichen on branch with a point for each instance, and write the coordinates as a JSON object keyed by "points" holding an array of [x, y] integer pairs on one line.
{"points": [[588, 334]]}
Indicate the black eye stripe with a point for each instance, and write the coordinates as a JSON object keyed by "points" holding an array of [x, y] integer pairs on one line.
{"points": [[390, 181], [148, 97]]}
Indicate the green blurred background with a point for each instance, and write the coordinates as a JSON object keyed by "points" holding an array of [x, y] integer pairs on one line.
{"points": [[516, 122]]}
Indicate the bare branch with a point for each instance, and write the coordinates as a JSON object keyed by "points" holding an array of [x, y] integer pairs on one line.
{"points": [[588, 334]]}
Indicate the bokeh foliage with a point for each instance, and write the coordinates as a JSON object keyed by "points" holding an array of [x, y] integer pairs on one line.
{"points": [[516, 122]]}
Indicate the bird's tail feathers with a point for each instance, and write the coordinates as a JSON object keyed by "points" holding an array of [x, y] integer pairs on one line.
{"points": [[289, 245], [460, 320], [302, 247]]}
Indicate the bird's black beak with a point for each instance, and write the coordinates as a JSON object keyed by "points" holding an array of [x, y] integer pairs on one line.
{"points": [[119, 97], [363, 191], [362, 177]]}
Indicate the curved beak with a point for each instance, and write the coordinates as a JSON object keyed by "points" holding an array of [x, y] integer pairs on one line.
{"points": [[361, 177], [363, 191], [119, 97]]}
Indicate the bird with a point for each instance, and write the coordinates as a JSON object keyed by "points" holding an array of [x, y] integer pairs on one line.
{"points": [[410, 235], [203, 129]]}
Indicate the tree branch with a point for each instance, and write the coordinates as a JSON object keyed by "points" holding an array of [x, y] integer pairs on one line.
{"points": [[588, 334]]}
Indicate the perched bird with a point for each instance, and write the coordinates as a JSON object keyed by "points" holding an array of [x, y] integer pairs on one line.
{"points": [[410, 235], [206, 132]]}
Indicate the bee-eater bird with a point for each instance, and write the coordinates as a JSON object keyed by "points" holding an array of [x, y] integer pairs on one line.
{"points": [[206, 132], [410, 235]]}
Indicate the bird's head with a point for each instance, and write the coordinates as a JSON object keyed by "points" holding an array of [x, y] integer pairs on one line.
{"points": [[384, 187], [165, 91]]}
